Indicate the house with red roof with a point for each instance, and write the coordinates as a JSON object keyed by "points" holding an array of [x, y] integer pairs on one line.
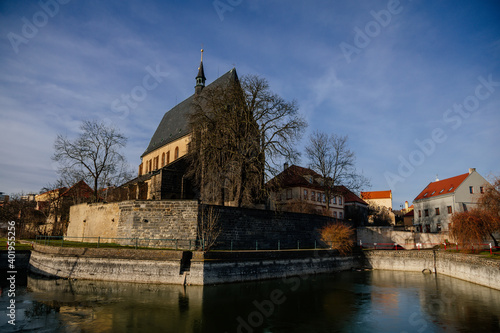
{"points": [[439, 199], [301, 190], [378, 198]]}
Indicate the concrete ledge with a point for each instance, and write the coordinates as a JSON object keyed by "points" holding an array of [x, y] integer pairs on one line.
{"points": [[122, 253]]}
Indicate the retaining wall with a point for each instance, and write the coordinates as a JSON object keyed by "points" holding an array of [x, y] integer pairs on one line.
{"points": [[407, 239], [471, 268], [150, 266]]}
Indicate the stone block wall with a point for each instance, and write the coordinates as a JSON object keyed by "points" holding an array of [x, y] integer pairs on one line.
{"points": [[245, 227], [136, 222], [172, 219], [93, 220]]}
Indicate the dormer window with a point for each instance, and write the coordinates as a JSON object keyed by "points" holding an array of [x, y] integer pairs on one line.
{"points": [[433, 192], [441, 191], [451, 188], [425, 194]]}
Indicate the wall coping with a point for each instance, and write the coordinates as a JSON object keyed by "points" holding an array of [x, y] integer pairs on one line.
{"points": [[122, 253]]}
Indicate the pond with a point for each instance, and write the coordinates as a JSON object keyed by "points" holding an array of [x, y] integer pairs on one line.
{"points": [[351, 301]]}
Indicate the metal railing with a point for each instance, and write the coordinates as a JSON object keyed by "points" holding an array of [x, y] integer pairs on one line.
{"points": [[446, 246]]}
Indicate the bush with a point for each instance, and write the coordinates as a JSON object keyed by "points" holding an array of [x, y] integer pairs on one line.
{"points": [[338, 236]]}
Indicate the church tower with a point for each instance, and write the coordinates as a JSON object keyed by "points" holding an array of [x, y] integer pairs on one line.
{"points": [[200, 78]]}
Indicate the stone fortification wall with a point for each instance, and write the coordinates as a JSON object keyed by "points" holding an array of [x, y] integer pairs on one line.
{"points": [[179, 219], [470, 268], [124, 221], [166, 219], [93, 220], [245, 227]]}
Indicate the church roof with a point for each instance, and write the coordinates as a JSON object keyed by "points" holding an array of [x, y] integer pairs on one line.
{"points": [[175, 123]]}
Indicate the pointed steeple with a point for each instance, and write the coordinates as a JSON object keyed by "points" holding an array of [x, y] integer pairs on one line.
{"points": [[200, 78]]}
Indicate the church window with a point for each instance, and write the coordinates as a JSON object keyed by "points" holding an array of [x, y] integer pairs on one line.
{"points": [[168, 157], [162, 160], [176, 153]]}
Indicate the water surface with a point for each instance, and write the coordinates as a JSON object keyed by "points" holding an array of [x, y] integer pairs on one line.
{"points": [[368, 301]]}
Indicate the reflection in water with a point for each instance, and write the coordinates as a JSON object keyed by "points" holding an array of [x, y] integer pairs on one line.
{"points": [[376, 301]]}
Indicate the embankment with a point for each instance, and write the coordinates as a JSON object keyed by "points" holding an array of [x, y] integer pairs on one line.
{"points": [[205, 268], [183, 267], [471, 268]]}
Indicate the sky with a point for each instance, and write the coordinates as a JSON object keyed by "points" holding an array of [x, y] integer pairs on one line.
{"points": [[415, 85]]}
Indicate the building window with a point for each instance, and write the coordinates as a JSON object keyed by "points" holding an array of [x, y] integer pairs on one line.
{"points": [[471, 189], [340, 200], [313, 195], [318, 197], [419, 213], [335, 214], [162, 160], [481, 189], [449, 210], [176, 153], [288, 194], [324, 198], [426, 212], [340, 215], [168, 157], [334, 200], [437, 210], [305, 195]]}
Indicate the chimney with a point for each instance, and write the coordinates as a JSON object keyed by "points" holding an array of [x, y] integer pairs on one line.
{"points": [[471, 170], [285, 166]]}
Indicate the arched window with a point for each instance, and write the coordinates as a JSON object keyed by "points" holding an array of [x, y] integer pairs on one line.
{"points": [[162, 160], [176, 153], [168, 157]]}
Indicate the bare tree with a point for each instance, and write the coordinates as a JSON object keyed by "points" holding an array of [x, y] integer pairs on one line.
{"points": [[280, 125], [93, 156], [208, 228], [332, 159], [238, 133]]}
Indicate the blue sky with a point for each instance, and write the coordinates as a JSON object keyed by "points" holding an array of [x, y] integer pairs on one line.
{"points": [[414, 84]]}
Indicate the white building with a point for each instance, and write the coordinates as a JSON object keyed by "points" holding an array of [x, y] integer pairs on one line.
{"points": [[435, 204]]}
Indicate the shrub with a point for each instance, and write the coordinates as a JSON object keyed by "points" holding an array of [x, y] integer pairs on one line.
{"points": [[338, 236]]}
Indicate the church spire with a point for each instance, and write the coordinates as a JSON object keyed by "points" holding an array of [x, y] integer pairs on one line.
{"points": [[200, 78]]}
